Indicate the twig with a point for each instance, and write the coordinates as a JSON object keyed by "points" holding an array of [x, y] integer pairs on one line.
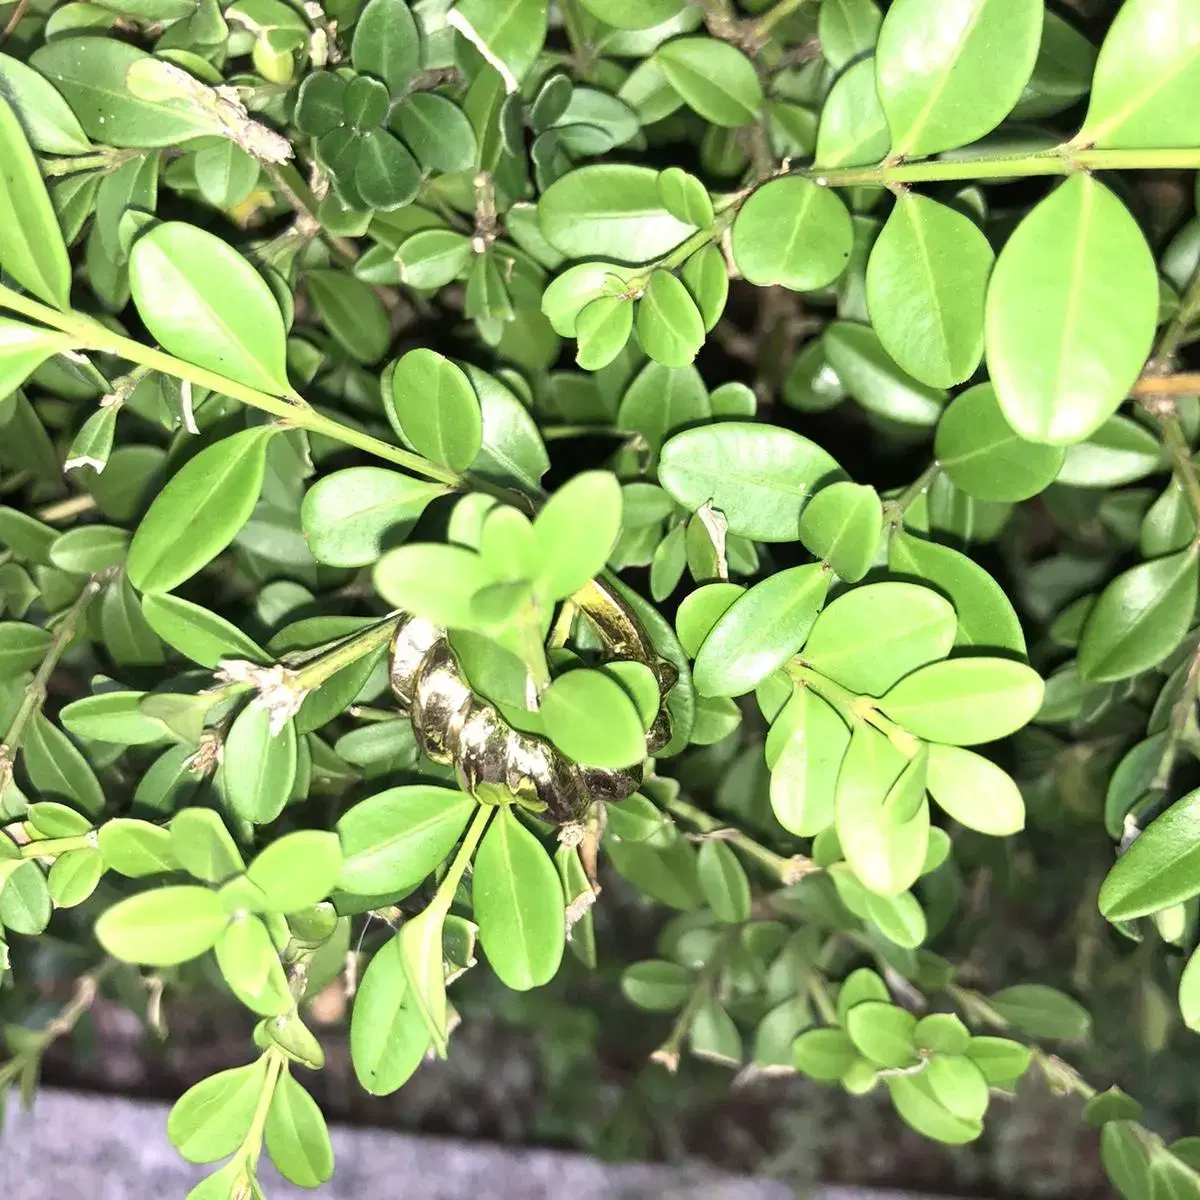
{"points": [[14, 19]]}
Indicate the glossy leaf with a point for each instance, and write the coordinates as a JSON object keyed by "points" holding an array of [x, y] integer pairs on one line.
{"points": [[163, 927], [926, 282], [518, 904], [842, 525], [1070, 313], [437, 409], [714, 78], [940, 80]]}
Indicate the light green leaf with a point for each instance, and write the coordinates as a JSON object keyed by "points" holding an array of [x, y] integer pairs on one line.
{"points": [[1139, 618], [196, 633], [260, 765], [211, 1120], [1071, 312], [982, 455], [388, 1038], [759, 476], [805, 769], [296, 1136], [941, 81], [518, 903], [205, 303], [669, 324], [510, 33], [136, 848], [1043, 1012], [871, 637], [204, 846], [23, 348], [437, 409], [974, 791], [297, 870], [842, 525], [575, 532], [1160, 868], [879, 384], [926, 282], [853, 130], [1149, 66], [724, 883], [609, 210], [393, 840], [824, 1054], [920, 1107], [760, 631], [434, 581], [591, 719], [49, 123], [163, 926], [250, 965], [714, 78], [792, 232], [883, 1033], [963, 701], [32, 249]]}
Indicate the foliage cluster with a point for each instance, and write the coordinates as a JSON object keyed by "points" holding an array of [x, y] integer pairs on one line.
{"points": [[301, 306]]}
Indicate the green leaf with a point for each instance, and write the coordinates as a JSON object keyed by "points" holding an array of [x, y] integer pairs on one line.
{"points": [[1119, 452], [723, 881], [437, 131], [714, 1036], [657, 986], [296, 1136], [23, 348], [1062, 74], [963, 701], [974, 791], [847, 29], [1149, 64], [388, 1038], [1002, 1062], [982, 455], [250, 965], [685, 196], [714, 78], [602, 328], [437, 409], [706, 277], [164, 926], [576, 531], [136, 848], [760, 631], [22, 647], [824, 1054], [437, 582], [669, 324], [942, 1033], [591, 719], [1160, 868], [89, 549], [941, 81], [393, 840], [926, 282], [204, 846], [211, 1120], [386, 44], [297, 871], [432, 258], [1043, 1012], [49, 123], [57, 768], [883, 1033], [1139, 618], [792, 232], [609, 210], [25, 904], [73, 876], [200, 510], [206, 304], [32, 249], [880, 385], [804, 773], [260, 765], [518, 903], [759, 476], [112, 717], [93, 75], [1071, 311], [354, 315], [853, 130], [93, 444], [1126, 1161], [986, 617], [885, 854], [225, 174], [842, 525], [919, 1106], [871, 637], [510, 32], [196, 633], [350, 517], [700, 610], [387, 177]]}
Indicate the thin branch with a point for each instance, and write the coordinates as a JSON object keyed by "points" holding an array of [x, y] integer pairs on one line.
{"points": [[15, 18]]}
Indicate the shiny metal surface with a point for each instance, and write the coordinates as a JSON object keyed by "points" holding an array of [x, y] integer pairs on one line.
{"points": [[490, 757]]}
